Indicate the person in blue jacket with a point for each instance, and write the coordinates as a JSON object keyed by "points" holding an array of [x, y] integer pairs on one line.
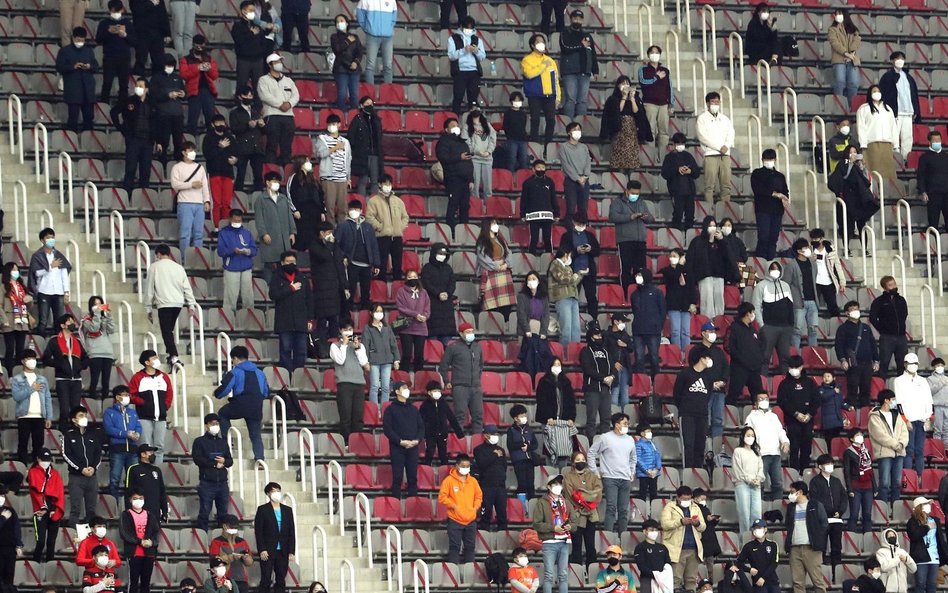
{"points": [[648, 463], [377, 18], [124, 429], [648, 317], [522, 445], [237, 248], [356, 239], [33, 414], [246, 386], [76, 64]]}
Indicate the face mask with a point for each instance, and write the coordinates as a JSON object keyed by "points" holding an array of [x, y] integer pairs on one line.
{"points": [[378, 315], [674, 260], [655, 58], [764, 16], [123, 401], [580, 466], [220, 570], [190, 155], [749, 440], [79, 44], [568, 261], [540, 173], [277, 66], [214, 429], [639, 280], [795, 373], [769, 164], [307, 167], [275, 186], [30, 363], [763, 404], [289, 268], [939, 370], [138, 503], [792, 497], [858, 439], [620, 327], [899, 64], [45, 464], [169, 69], [246, 100], [436, 395], [759, 533], [613, 562], [580, 229], [522, 420], [50, 243], [633, 197], [116, 15], [156, 364], [100, 532], [702, 503], [844, 130], [684, 503], [876, 574], [877, 96], [464, 470], [726, 231], [468, 338], [230, 531], [533, 284], [276, 496], [441, 257], [385, 189], [708, 363], [807, 252], [624, 430], [220, 129], [102, 561], [891, 539], [236, 225], [912, 368], [712, 229], [493, 439], [355, 214], [342, 26], [522, 561], [936, 146], [714, 108], [680, 147], [467, 32], [775, 274], [250, 15], [712, 337], [651, 535], [647, 435], [540, 47], [624, 88], [556, 370], [347, 333], [927, 508], [412, 283], [576, 134], [556, 490], [829, 468], [369, 109], [333, 129], [456, 131], [838, 18], [82, 422], [517, 104], [495, 228]]}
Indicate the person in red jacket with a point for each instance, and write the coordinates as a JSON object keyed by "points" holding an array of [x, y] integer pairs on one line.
{"points": [[199, 71], [84, 556], [152, 394], [100, 576], [49, 504]]}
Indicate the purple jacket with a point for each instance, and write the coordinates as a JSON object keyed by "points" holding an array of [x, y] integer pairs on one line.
{"points": [[409, 307]]}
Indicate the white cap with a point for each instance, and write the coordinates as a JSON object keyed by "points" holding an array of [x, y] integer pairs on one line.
{"points": [[920, 500], [911, 358], [274, 57]]}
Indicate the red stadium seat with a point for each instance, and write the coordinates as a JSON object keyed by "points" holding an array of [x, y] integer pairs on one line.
{"points": [[519, 383], [387, 509], [363, 445], [491, 383], [359, 476]]}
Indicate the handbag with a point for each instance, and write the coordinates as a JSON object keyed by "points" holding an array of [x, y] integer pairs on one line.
{"points": [[400, 324]]}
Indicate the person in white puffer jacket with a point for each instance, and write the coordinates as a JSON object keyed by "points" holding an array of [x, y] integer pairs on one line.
{"points": [[895, 562], [773, 442], [914, 397]]}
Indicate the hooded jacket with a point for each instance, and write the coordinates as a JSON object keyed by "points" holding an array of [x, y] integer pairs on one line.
{"points": [[673, 532], [438, 277], [596, 364], [706, 259], [884, 437], [894, 571], [648, 308], [774, 299], [831, 406], [462, 497], [46, 491]]}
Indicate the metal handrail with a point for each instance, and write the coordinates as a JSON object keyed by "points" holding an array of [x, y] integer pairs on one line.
{"points": [[150, 341], [929, 233], [46, 219], [239, 463], [274, 400], [202, 411], [699, 98], [64, 158], [705, 11], [394, 572], [223, 338], [324, 540], [908, 227], [117, 225], [869, 247], [259, 465], [760, 89], [672, 35], [333, 500], [648, 9], [687, 17], [98, 284], [346, 575], [196, 333], [41, 162], [931, 304], [90, 190], [789, 92], [726, 90], [74, 257], [138, 266], [735, 39], [420, 567], [311, 441], [808, 177], [17, 138], [179, 378], [819, 120], [126, 309], [1, 185], [845, 226], [786, 153], [290, 500], [752, 155], [897, 259], [875, 175], [363, 541], [19, 201]]}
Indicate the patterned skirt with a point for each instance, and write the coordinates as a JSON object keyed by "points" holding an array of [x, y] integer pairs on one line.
{"points": [[497, 289], [625, 146]]}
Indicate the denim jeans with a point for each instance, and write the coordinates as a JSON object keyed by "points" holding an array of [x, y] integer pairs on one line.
{"points": [[747, 499], [616, 492], [575, 94], [567, 312], [200, 104], [915, 452], [620, 389], [926, 577], [252, 414], [941, 423], [190, 226], [556, 566], [890, 478], [372, 46], [293, 350], [805, 321], [774, 473], [680, 329], [641, 343], [518, 155], [862, 498], [380, 376], [716, 414], [119, 461], [845, 80], [347, 89], [212, 494]]}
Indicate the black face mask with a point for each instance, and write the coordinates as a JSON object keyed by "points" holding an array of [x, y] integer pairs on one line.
{"points": [[289, 268], [246, 101], [369, 109], [891, 540], [198, 51], [580, 465], [613, 562], [540, 173], [576, 26], [411, 283], [72, 327], [220, 129]]}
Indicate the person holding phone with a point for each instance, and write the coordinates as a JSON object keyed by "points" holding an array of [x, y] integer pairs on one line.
{"points": [[76, 64], [630, 213], [551, 519], [682, 525]]}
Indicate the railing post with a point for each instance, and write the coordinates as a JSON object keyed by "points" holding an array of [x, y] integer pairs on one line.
{"points": [[274, 400], [879, 182], [786, 154], [699, 93], [259, 465], [117, 225], [868, 237], [179, 378], [897, 259], [307, 445], [126, 309], [19, 203], [671, 40], [321, 542], [753, 156], [929, 233], [648, 11], [819, 120], [41, 134], [141, 249], [89, 190], [931, 304], [223, 361], [363, 513], [98, 285], [239, 462], [706, 13], [762, 66], [841, 208], [16, 135], [420, 570], [810, 178], [65, 158], [75, 276], [196, 334], [908, 227], [394, 572], [726, 91], [735, 39], [347, 582], [336, 500], [787, 105]]}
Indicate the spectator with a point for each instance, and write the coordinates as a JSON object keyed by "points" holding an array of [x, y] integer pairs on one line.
{"points": [[926, 544], [555, 397], [34, 407], [183, 15], [648, 463], [619, 344], [774, 297], [746, 350], [146, 477], [331, 292], [413, 303], [858, 355], [405, 429], [799, 400], [199, 71], [598, 378], [651, 557], [269, 20], [291, 291], [10, 532], [481, 141], [523, 446], [456, 162], [49, 503], [383, 354], [523, 578], [306, 200], [801, 276], [440, 421], [913, 397], [578, 65], [246, 392], [116, 36], [551, 519], [613, 577], [630, 214], [680, 295], [461, 495], [82, 452], [900, 94], [888, 314], [706, 262], [247, 125], [350, 361], [190, 182], [67, 357], [275, 532], [658, 95], [97, 537], [347, 65], [762, 41], [491, 462], [220, 151], [167, 289], [465, 53], [152, 31], [49, 281], [539, 208], [71, 16], [276, 229], [124, 429], [806, 526], [583, 492], [493, 269], [832, 420], [938, 383], [860, 481], [211, 454], [460, 369], [168, 90], [852, 182], [612, 457], [437, 276], [889, 434], [748, 475], [377, 19], [619, 125], [279, 95], [99, 576], [237, 248], [515, 131], [760, 558], [295, 16], [895, 562], [931, 179], [691, 394], [736, 265], [576, 161], [563, 283], [549, 9], [716, 137], [839, 144], [879, 132], [533, 322], [827, 271], [541, 85], [771, 440], [218, 582], [387, 214], [583, 246], [368, 154], [718, 378], [15, 318], [709, 537], [682, 524], [234, 551], [771, 195], [830, 492], [844, 41], [152, 392], [680, 171], [251, 46], [648, 316], [335, 167]]}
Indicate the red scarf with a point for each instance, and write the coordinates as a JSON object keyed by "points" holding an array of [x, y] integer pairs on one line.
{"points": [[560, 514], [91, 334], [17, 294], [76, 350], [290, 277]]}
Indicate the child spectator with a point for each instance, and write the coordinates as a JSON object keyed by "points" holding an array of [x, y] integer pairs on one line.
{"points": [[938, 383], [832, 421], [523, 577], [218, 581], [522, 446], [651, 557], [681, 170], [139, 530], [84, 554], [648, 463], [99, 575]]}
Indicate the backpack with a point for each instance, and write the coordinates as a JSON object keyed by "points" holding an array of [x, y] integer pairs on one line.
{"points": [[496, 569], [458, 43], [789, 48], [293, 409], [650, 409]]}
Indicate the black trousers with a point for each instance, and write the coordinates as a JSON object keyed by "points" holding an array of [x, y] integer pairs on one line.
{"points": [[45, 532], [683, 212], [828, 292], [439, 443], [100, 368], [14, 343], [298, 22], [404, 461], [544, 227], [740, 378], [167, 318], [170, 126], [459, 535], [69, 393], [835, 534], [115, 68], [391, 247], [694, 433], [801, 441], [859, 384], [545, 106], [138, 155], [631, 258], [29, 430], [139, 573], [249, 72], [550, 8], [584, 537], [149, 44], [592, 299], [459, 200], [648, 488], [274, 569], [937, 207], [8, 567], [523, 470], [88, 116], [495, 501], [889, 345], [465, 82], [256, 170], [350, 399], [280, 130], [460, 6], [413, 352], [361, 277]]}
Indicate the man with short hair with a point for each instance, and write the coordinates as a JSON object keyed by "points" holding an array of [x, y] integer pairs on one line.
{"points": [[236, 248], [279, 96], [404, 428], [578, 66], [365, 133], [629, 213], [211, 454], [465, 54], [274, 527], [360, 250], [124, 429], [913, 396], [858, 354], [612, 457], [152, 392], [658, 95], [116, 36], [152, 26], [599, 376], [460, 368], [900, 93], [458, 169], [771, 195], [718, 375], [291, 291], [806, 526], [49, 281], [889, 435], [716, 136], [772, 441], [146, 477], [199, 71], [932, 178], [576, 161], [387, 214], [246, 388], [335, 168], [829, 490], [491, 460], [134, 117], [76, 64], [888, 314], [801, 276], [461, 495], [759, 557], [539, 208], [167, 289], [691, 394], [67, 357], [377, 20], [747, 358], [167, 88], [82, 452], [682, 524]]}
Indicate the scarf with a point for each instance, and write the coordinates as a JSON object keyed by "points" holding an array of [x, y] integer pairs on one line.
{"points": [[290, 277], [560, 515], [865, 462], [74, 351], [17, 294], [91, 334]]}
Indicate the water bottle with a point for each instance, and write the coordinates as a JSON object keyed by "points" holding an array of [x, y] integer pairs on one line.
{"points": [[493, 68]]}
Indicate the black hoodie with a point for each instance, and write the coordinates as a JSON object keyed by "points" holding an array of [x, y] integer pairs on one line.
{"points": [[438, 277], [596, 364], [706, 258]]}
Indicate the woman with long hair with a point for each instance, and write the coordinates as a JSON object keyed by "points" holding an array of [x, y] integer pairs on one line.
{"points": [[619, 125], [412, 302], [926, 545], [747, 471], [481, 140], [379, 341], [15, 319], [533, 321], [878, 133], [493, 269], [564, 293], [844, 41], [97, 329], [306, 199], [761, 41]]}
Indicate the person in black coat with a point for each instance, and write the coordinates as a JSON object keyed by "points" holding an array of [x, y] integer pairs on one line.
{"points": [[709, 537], [539, 208], [871, 580], [404, 429], [368, 154], [852, 182], [437, 276], [306, 196], [584, 248], [140, 550], [167, 91], [599, 374], [347, 68], [76, 64], [761, 556], [219, 148], [455, 159], [251, 46], [152, 27], [648, 317], [735, 250], [275, 530], [816, 521], [799, 399], [771, 195], [888, 314], [247, 125], [330, 293], [747, 355], [134, 116], [680, 170], [917, 528], [706, 264], [146, 477], [556, 399], [619, 343], [831, 493], [440, 421], [612, 116], [292, 294], [116, 36], [761, 41], [11, 540], [490, 459]]}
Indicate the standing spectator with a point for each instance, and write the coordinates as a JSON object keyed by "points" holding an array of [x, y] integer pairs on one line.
{"points": [[648, 464], [515, 131], [613, 577], [613, 458], [619, 343], [541, 85], [830, 278], [82, 452], [493, 269], [440, 421], [681, 171], [350, 362], [858, 354], [771, 440], [932, 180], [377, 19], [413, 303], [146, 477], [680, 299], [556, 406], [774, 298], [840, 143], [746, 350], [460, 9], [619, 126], [926, 544], [295, 17], [116, 35], [716, 137], [183, 15], [889, 435], [913, 397], [736, 254], [461, 495], [152, 29], [11, 536], [274, 528], [335, 169], [347, 66], [292, 295], [682, 523], [581, 243], [481, 140], [368, 154], [648, 316], [706, 264], [853, 183], [211, 454], [762, 42], [405, 429], [199, 71], [691, 395], [651, 557], [72, 15], [844, 42], [718, 375], [246, 390], [709, 537], [748, 475], [523, 445], [799, 400], [279, 96], [576, 161], [658, 95], [900, 94], [306, 200], [237, 248], [49, 503], [460, 369], [152, 392], [234, 551], [760, 558], [251, 45], [860, 481], [220, 152], [806, 526], [895, 562], [360, 250], [630, 213], [168, 90], [801, 276], [379, 340], [583, 492], [563, 286], [829, 491], [465, 53], [578, 65], [551, 519], [598, 379], [387, 214], [247, 127], [330, 293], [167, 290], [771, 195], [193, 194], [539, 208], [888, 314], [456, 162], [938, 383], [491, 460], [33, 407], [437, 276], [832, 421], [67, 357], [48, 281], [523, 578], [124, 429], [276, 229], [879, 131], [15, 318]]}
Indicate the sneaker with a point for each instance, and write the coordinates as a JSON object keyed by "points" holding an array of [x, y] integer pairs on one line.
{"points": [[173, 360]]}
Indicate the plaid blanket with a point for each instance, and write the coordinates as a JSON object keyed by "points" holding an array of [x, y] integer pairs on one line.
{"points": [[497, 289]]}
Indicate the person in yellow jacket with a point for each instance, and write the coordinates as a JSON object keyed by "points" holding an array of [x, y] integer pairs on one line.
{"points": [[682, 524], [541, 86], [461, 495]]}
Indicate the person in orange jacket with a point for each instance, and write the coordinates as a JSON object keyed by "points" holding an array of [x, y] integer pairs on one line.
{"points": [[461, 495], [49, 504], [84, 556]]}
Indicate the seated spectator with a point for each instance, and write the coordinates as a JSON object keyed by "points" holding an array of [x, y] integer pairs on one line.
{"points": [[100, 576], [234, 551], [347, 65], [613, 577], [218, 582], [116, 36], [523, 577]]}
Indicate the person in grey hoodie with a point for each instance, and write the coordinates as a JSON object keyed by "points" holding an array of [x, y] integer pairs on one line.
{"points": [[612, 457], [773, 297], [350, 362], [97, 329], [630, 215], [938, 383], [461, 367], [577, 167]]}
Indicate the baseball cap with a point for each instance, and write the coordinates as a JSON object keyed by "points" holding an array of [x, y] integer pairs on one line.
{"points": [[274, 57], [44, 455], [708, 327], [911, 358], [758, 523], [578, 13], [614, 549], [619, 317], [145, 447], [920, 500], [490, 429], [211, 418]]}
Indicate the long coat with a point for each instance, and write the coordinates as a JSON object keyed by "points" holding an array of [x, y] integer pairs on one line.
{"points": [[293, 307], [363, 135], [329, 285], [78, 85], [274, 219], [438, 277]]}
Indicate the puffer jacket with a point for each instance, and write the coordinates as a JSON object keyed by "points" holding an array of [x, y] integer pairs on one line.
{"points": [[540, 76], [563, 282], [648, 308], [894, 571], [774, 300], [884, 438]]}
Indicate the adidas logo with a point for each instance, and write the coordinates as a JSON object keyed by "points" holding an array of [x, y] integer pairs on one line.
{"points": [[698, 387]]}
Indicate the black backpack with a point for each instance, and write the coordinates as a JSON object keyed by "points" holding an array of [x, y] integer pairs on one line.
{"points": [[496, 568], [650, 410], [789, 48]]}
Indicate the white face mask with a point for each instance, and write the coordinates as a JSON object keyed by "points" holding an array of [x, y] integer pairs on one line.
{"points": [[556, 490], [467, 32], [828, 468], [277, 66], [220, 570], [274, 186], [623, 430], [276, 496], [102, 561], [522, 561], [139, 91], [899, 64], [576, 134], [79, 44], [712, 337], [674, 260], [100, 532], [763, 404], [307, 167], [495, 228], [378, 315], [190, 155], [844, 130], [749, 440], [250, 15], [156, 363], [230, 531], [859, 439], [464, 470], [684, 504], [620, 326], [493, 439], [651, 535], [436, 395], [385, 189], [441, 257], [517, 104], [138, 503], [45, 464], [714, 108], [342, 26], [769, 164], [792, 497], [795, 373], [522, 420], [876, 96], [556, 370], [236, 225], [655, 58], [169, 69], [30, 363], [333, 129], [123, 401], [355, 214], [647, 435], [455, 131], [533, 284], [775, 274], [680, 147], [116, 15], [639, 280], [939, 370], [854, 314], [927, 508], [82, 422], [347, 333], [912, 368], [540, 47], [214, 429], [759, 533], [839, 18], [876, 574], [765, 16], [708, 363]]}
